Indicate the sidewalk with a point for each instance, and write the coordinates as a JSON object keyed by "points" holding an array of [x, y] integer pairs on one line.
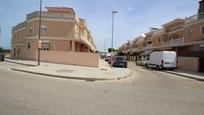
{"points": [[188, 74], [104, 72]]}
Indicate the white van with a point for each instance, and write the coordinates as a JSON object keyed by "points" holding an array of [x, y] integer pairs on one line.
{"points": [[162, 60]]}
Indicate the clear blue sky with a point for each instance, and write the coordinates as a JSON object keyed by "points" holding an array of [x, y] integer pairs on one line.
{"points": [[134, 17]]}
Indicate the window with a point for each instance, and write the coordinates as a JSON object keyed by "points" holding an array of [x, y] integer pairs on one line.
{"points": [[28, 45], [202, 30], [30, 29], [46, 46], [43, 28]]}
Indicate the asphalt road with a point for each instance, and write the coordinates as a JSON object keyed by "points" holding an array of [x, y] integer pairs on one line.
{"points": [[147, 92]]}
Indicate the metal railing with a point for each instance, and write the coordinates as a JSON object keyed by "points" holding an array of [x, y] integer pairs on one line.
{"points": [[191, 19]]}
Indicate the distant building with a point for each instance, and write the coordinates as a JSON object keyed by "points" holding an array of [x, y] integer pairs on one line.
{"points": [[185, 36], [61, 31]]}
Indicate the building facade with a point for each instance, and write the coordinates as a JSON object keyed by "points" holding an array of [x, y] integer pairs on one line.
{"points": [[61, 31], [185, 36]]}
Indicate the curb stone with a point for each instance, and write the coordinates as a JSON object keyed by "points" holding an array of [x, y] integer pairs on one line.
{"points": [[199, 79], [75, 78], [20, 63]]}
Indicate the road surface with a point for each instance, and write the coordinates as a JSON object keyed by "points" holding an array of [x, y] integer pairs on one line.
{"points": [[147, 92]]}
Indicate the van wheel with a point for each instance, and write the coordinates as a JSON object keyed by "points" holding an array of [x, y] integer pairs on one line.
{"points": [[157, 67], [146, 66]]}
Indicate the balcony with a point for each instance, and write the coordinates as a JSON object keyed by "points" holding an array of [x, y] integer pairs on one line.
{"points": [[166, 43], [173, 42], [85, 40], [148, 46], [191, 19], [177, 41], [176, 28], [135, 50]]}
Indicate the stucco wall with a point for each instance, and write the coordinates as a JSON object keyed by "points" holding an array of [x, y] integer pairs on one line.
{"points": [[188, 63], [71, 58], [195, 29]]}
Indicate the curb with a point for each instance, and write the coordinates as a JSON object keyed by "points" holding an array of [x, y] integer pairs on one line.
{"points": [[127, 76], [199, 79], [19, 63], [72, 77]]}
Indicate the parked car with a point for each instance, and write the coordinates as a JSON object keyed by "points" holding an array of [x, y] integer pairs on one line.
{"points": [[107, 58], [119, 61], [103, 54], [162, 60], [141, 61], [2, 57]]}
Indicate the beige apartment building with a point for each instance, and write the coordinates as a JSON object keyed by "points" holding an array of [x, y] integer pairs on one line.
{"points": [[65, 36], [185, 36]]}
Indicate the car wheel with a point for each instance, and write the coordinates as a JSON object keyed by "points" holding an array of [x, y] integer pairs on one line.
{"points": [[146, 66], [157, 67]]}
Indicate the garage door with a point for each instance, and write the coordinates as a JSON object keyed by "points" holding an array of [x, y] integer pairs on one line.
{"points": [[201, 65]]}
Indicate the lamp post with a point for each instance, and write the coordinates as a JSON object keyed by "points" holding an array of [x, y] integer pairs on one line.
{"points": [[113, 14], [40, 18]]}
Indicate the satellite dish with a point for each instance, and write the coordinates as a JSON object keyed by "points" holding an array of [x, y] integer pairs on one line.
{"points": [[143, 35]]}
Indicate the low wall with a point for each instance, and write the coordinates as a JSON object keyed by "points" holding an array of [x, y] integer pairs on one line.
{"points": [[188, 63], [71, 58]]}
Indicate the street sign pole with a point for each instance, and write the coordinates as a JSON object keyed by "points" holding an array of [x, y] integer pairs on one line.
{"points": [[39, 31]]}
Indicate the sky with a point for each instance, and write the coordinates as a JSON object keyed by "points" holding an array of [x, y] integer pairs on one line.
{"points": [[134, 16]]}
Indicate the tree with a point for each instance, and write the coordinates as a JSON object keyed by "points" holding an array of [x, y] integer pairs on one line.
{"points": [[110, 50], [1, 50]]}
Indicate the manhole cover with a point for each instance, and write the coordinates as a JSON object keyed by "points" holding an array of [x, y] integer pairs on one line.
{"points": [[65, 71]]}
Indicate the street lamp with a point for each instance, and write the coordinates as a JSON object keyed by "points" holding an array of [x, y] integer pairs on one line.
{"points": [[113, 14], [40, 18]]}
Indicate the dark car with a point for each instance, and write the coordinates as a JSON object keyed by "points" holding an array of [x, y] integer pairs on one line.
{"points": [[1, 57], [107, 58], [119, 61]]}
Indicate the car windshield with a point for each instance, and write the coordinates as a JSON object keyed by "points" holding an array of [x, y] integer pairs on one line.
{"points": [[121, 58]]}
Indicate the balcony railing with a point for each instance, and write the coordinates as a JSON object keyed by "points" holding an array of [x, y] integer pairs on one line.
{"points": [[176, 28], [166, 43], [173, 42], [148, 46], [177, 41], [191, 19]]}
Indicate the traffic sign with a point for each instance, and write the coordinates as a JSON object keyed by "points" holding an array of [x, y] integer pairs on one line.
{"points": [[40, 44]]}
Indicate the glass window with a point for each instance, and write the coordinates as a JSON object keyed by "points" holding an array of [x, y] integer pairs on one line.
{"points": [[46, 46], [43, 28], [202, 30]]}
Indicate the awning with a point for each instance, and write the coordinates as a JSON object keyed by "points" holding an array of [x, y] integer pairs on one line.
{"points": [[147, 52]]}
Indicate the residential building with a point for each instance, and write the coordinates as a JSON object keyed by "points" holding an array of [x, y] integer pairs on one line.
{"points": [[61, 31], [185, 36]]}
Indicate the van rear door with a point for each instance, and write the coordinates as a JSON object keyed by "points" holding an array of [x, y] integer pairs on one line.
{"points": [[169, 60]]}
